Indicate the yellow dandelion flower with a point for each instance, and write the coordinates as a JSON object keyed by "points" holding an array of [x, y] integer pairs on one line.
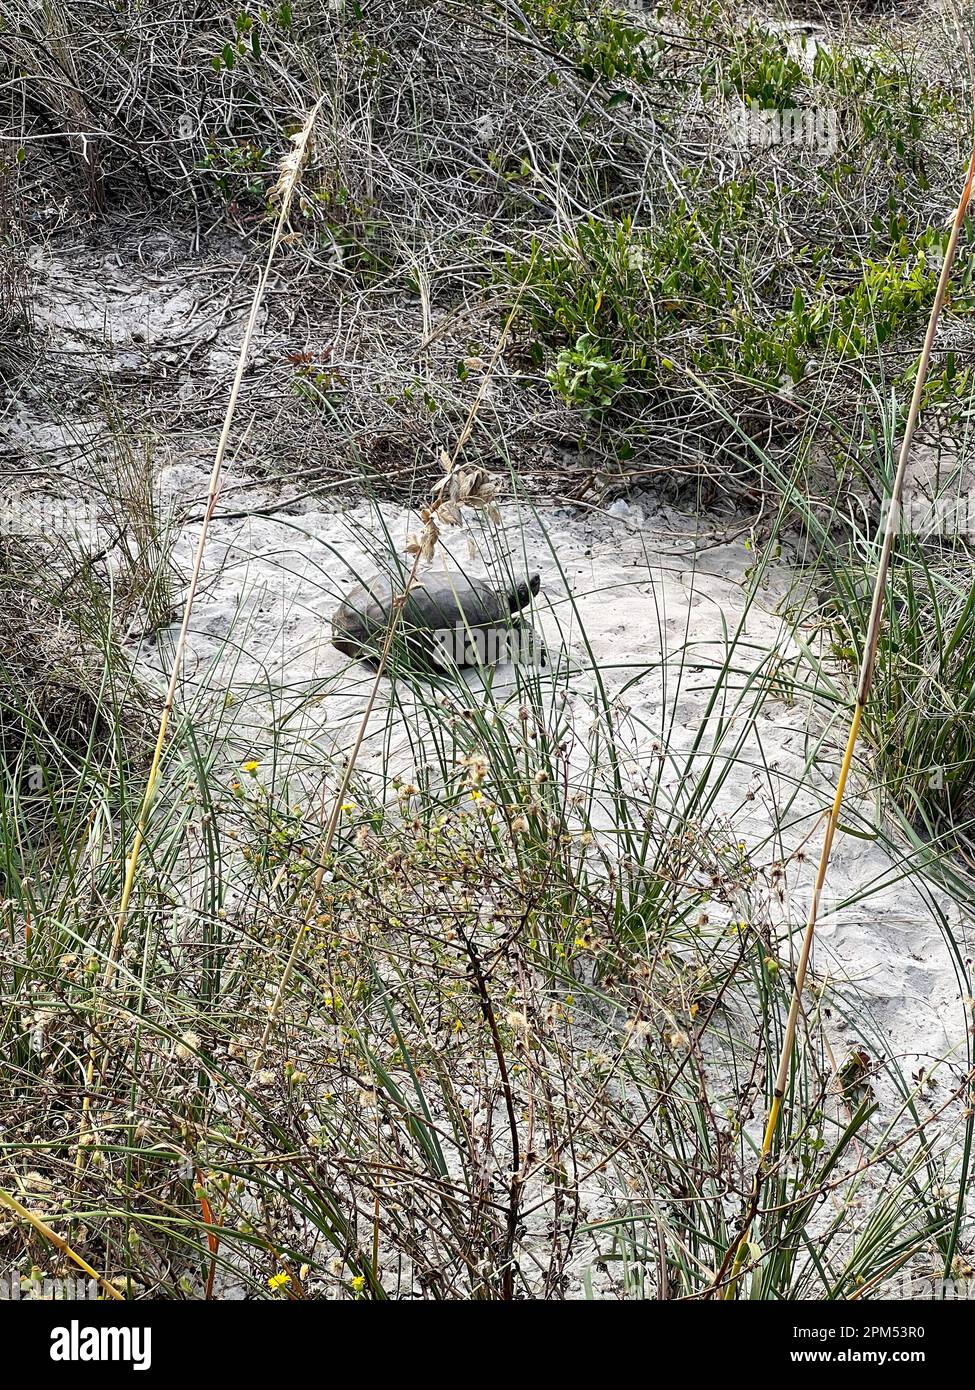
{"points": [[278, 1281]]}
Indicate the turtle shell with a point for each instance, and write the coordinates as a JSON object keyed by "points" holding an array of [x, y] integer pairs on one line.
{"points": [[439, 605]]}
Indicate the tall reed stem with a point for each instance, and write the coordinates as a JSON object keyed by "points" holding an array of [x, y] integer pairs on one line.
{"points": [[737, 1251], [284, 192]]}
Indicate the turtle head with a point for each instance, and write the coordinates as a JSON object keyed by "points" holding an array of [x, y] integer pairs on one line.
{"points": [[524, 590]]}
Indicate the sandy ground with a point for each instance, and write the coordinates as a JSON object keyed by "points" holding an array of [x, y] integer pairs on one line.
{"points": [[656, 602], [637, 593]]}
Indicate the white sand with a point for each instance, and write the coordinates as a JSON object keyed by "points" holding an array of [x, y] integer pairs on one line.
{"points": [[646, 587], [647, 583]]}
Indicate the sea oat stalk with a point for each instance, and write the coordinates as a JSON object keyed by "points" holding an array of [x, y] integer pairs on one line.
{"points": [[737, 1251], [282, 193]]}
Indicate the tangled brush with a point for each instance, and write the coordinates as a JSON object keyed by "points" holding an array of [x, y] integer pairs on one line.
{"points": [[56, 696]]}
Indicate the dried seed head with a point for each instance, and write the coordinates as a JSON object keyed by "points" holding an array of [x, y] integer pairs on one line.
{"points": [[289, 170], [465, 487], [425, 544], [477, 766]]}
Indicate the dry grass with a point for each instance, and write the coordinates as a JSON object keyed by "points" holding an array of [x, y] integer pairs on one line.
{"points": [[56, 692], [505, 1024]]}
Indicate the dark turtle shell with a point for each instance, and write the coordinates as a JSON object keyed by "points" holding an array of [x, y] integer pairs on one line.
{"points": [[441, 604]]}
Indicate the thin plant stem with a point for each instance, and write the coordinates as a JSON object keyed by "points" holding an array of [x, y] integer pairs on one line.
{"points": [[43, 1229], [867, 667], [285, 189]]}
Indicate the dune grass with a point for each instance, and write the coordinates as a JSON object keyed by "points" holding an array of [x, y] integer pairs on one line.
{"points": [[495, 1010], [526, 1044]]}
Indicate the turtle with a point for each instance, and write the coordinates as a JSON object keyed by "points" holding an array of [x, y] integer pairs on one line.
{"points": [[448, 618]]}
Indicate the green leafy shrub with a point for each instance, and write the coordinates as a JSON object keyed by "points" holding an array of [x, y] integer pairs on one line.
{"points": [[625, 308], [585, 378], [883, 101], [604, 45], [761, 72], [238, 170]]}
